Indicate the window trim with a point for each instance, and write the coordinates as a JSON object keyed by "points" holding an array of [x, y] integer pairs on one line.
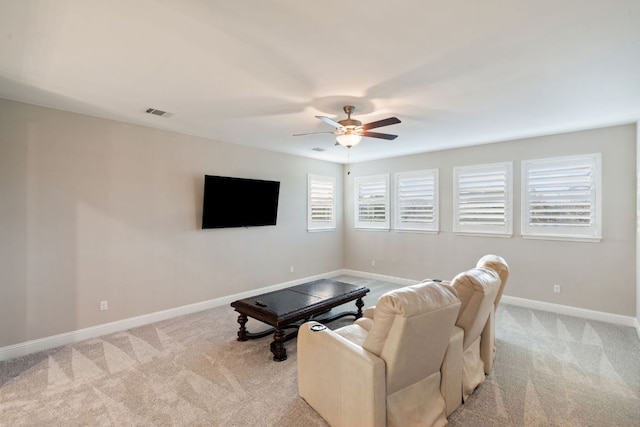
{"points": [[593, 233], [505, 230], [372, 225], [432, 227], [314, 225]]}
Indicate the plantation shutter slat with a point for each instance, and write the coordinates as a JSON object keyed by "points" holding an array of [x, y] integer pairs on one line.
{"points": [[560, 197], [483, 199], [321, 203], [416, 200], [372, 202]]}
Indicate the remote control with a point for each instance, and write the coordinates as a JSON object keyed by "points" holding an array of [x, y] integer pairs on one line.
{"points": [[260, 303]]}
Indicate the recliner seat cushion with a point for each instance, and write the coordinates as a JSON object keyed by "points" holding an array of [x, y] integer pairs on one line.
{"points": [[354, 333]]}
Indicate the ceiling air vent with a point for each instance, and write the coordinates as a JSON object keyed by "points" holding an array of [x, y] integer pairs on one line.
{"points": [[157, 112], [318, 149]]}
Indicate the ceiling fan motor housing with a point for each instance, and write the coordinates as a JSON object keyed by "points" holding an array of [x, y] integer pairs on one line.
{"points": [[349, 123]]}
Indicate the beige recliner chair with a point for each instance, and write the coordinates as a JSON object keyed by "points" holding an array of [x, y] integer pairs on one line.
{"points": [[488, 344], [463, 368], [384, 369]]}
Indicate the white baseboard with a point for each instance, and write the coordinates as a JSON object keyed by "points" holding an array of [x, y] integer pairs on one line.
{"points": [[526, 303], [46, 343], [34, 346], [573, 311], [374, 276]]}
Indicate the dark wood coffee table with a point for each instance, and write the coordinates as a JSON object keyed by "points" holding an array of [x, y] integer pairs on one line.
{"points": [[291, 307]]}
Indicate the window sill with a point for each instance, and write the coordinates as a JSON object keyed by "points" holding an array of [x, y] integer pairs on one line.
{"points": [[403, 230], [479, 234], [320, 230], [563, 238]]}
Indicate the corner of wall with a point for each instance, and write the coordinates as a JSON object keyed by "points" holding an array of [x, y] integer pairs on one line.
{"points": [[638, 228]]}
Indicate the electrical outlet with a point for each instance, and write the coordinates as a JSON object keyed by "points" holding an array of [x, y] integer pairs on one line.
{"points": [[291, 268], [104, 305], [373, 263], [556, 289]]}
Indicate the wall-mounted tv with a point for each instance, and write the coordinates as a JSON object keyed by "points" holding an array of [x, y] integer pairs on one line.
{"points": [[239, 202]]}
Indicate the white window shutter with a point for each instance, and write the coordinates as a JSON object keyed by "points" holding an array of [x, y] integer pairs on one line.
{"points": [[416, 201], [372, 202], [561, 197], [483, 199], [321, 203]]}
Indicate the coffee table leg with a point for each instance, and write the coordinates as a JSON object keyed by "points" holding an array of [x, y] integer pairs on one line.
{"points": [[277, 346], [359, 304], [242, 333]]}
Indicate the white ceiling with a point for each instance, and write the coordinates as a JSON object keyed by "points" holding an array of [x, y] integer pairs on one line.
{"points": [[254, 72]]}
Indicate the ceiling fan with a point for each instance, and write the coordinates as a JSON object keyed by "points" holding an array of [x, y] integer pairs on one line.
{"points": [[350, 131]]}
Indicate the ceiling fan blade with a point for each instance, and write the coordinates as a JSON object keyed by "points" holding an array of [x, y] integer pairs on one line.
{"points": [[329, 121], [379, 135], [380, 123], [309, 133]]}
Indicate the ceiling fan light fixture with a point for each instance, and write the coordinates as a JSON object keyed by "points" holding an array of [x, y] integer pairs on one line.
{"points": [[349, 139], [349, 132]]}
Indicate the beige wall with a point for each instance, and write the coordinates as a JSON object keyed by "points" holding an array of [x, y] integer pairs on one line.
{"points": [[93, 210], [597, 276]]}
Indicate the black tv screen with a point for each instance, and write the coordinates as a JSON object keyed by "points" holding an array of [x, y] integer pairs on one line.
{"points": [[239, 202]]}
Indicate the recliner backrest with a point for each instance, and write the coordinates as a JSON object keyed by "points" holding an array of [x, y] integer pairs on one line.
{"points": [[411, 331], [499, 265], [477, 289]]}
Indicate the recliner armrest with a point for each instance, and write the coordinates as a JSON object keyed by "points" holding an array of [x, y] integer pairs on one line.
{"points": [[369, 311], [342, 381], [451, 381], [488, 343]]}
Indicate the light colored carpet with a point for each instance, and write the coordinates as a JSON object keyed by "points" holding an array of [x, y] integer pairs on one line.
{"points": [[549, 370]]}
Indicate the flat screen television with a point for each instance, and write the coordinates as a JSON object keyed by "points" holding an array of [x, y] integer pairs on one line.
{"points": [[239, 202]]}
